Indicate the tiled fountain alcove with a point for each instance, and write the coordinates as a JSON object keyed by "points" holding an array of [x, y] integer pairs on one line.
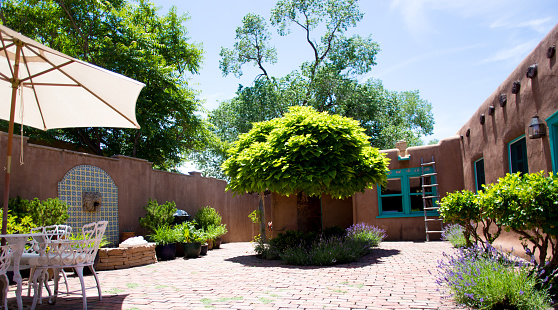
{"points": [[87, 178]]}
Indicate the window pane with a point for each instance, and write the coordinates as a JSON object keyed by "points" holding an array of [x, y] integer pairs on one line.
{"points": [[415, 185], [393, 186], [416, 203], [479, 173], [392, 204], [518, 156]]}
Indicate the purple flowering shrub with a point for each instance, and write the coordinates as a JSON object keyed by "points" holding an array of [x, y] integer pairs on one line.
{"points": [[488, 279], [455, 234], [331, 249], [367, 233]]}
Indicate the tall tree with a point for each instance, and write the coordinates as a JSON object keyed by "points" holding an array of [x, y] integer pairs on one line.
{"points": [[328, 81], [308, 154], [133, 40], [251, 46]]}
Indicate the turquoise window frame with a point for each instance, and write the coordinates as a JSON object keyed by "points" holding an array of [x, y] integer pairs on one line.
{"points": [[516, 140], [405, 175], [552, 124], [477, 187]]}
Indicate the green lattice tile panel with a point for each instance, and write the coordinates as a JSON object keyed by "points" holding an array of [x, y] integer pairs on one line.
{"points": [[87, 178]]}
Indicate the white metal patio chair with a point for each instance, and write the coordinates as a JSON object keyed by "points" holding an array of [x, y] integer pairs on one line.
{"points": [[59, 254], [5, 261], [52, 233]]}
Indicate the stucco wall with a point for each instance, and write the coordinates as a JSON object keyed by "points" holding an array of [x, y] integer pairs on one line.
{"points": [[44, 167], [447, 155]]}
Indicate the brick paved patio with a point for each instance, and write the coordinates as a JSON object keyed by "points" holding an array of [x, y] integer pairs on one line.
{"points": [[395, 276]]}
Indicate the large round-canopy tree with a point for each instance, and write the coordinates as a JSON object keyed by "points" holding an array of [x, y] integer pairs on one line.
{"points": [[306, 153]]}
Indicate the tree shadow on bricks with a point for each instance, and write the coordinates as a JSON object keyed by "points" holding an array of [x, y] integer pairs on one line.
{"points": [[374, 257], [65, 302]]}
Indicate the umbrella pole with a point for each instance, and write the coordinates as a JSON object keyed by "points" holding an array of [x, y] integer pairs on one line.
{"points": [[15, 85]]}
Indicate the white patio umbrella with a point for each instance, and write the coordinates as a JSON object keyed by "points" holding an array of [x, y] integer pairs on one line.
{"points": [[48, 89]]}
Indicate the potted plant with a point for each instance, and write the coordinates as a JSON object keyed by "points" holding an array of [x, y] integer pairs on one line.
{"points": [[210, 236], [204, 244], [165, 238], [192, 239], [219, 231]]}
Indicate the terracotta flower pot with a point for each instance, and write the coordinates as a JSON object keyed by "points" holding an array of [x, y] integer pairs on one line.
{"points": [[217, 243], [210, 244]]}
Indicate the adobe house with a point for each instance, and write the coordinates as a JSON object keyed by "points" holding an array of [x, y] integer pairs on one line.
{"points": [[496, 140]]}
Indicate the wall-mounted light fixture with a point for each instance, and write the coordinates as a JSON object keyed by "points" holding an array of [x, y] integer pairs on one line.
{"points": [[537, 128], [482, 119], [551, 51], [468, 133], [503, 100], [515, 87], [532, 71], [491, 110]]}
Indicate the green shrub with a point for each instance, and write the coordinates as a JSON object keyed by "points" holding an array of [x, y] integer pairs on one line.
{"points": [[333, 231], [41, 213], [483, 278], [163, 235], [326, 252], [528, 205], [207, 216], [187, 232], [157, 215], [368, 235], [455, 234], [17, 225]]}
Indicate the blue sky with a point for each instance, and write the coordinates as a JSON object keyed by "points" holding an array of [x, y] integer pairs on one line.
{"points": [[455, 52]]}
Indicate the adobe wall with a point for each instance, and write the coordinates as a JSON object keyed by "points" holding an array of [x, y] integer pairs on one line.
{"points": [[537, 96], [334, 212], [44, 167], [447, 155]]}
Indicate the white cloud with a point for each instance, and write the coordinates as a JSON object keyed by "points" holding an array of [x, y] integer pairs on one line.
{"points": [[515, 54], [416, 13], [541, 25]]}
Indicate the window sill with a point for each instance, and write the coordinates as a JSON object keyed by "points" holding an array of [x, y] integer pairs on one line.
{"points": [[396, 215]]}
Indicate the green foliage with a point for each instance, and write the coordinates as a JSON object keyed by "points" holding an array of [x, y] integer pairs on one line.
{"points": [[187, 232], [47, 212], [462, 208], [326, 252], [40, 213], [157, 215], [482, 279], [455, 234], [18, 225], [307, 151], [207, 216], [251, 46], [163, 235], [333, 231], [134, 40], [528, 205], [255, 216]]}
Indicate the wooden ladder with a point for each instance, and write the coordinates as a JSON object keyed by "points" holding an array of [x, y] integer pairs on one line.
{"points": [[430, 195]]}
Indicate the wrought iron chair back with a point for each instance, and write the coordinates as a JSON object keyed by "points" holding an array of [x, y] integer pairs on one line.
{"points": [[5, 262]]}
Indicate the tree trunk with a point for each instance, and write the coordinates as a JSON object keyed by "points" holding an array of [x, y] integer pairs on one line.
{"points": [[309, 213], [261, 208]]}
